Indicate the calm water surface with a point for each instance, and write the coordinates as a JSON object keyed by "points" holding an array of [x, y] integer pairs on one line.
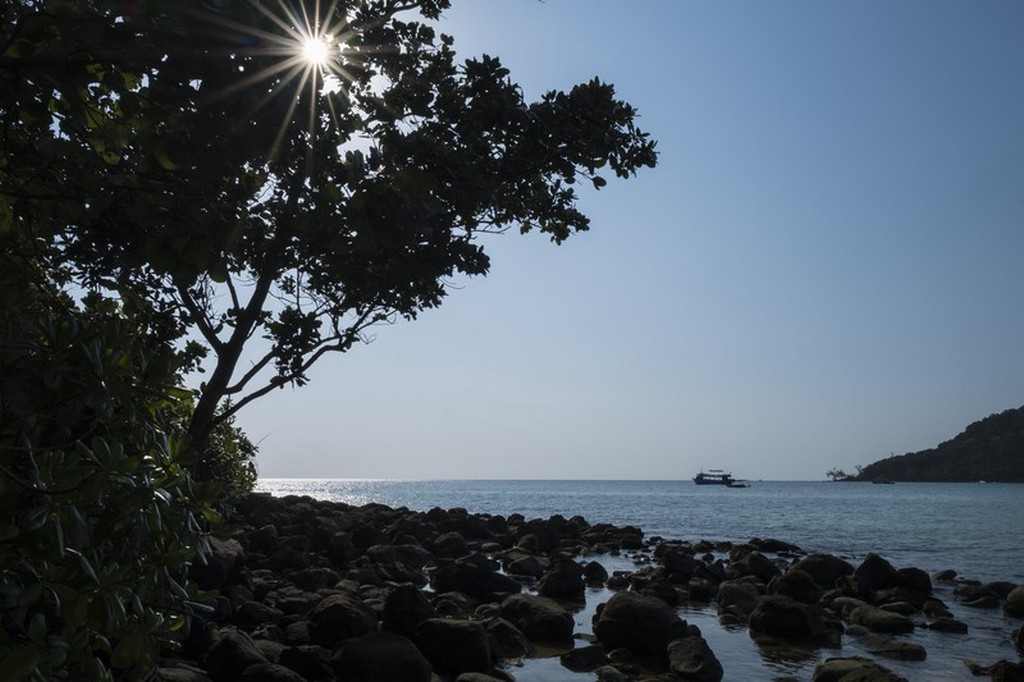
{"points": [[976, 529]]}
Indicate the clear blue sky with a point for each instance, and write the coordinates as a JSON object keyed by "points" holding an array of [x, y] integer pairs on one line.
{"points": [[827, 266]]}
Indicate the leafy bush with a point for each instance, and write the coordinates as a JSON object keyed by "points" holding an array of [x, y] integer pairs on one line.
{"points": [[98, 517]]}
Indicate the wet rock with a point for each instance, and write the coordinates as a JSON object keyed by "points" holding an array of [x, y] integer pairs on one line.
{"points": [[874, 573], [752, 563], [1018, 640], [679, 560], [594, 572], [914, 579], [527, 565], [737, 599], [564, 580], [253, 613], [951, 625], [507, 641], [540, 619], [607, 673], [890, 647], [454, 646], [784, 618], [880, 620], [380, 656], [692, 659], [644, 625], [1014, 605], [472, 579], [340, 617], [450, 545], [584, 659], [796, 584], [824, 568], [854, 669]]}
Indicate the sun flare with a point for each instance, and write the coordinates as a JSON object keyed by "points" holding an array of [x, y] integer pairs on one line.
{"points": [[316, 49]]}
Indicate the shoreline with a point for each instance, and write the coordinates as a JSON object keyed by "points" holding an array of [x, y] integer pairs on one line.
{"points": [[315, 590]]}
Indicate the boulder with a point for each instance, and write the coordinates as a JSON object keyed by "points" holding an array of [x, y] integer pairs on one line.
{"points": [[477, 581], [540, 619], [454, 646], [595, 572], [1014, 605], [644, 625], [526, 565], [450, 545], [781, 617], [752, 563], [853, 669], [874, 573], [564, 580], [340, 617], [232, 651], [737, 599], [880, 620], [679, 560], [507, 641], [380, 656], [220, 566], [584, 659], [268, 672], [796, 584], [914, 579], [692, 659], [890, 647], [1018, 640], [312, 662], [405, 607], [951, 625], [825, 569]]}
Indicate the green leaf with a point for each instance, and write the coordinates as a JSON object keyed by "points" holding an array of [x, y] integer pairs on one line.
{"points": [[19, 663]]}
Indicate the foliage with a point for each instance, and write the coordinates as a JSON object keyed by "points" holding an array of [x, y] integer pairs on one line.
{"points": [[175, 151], [98, 517], [990, 449], [227, 463]]}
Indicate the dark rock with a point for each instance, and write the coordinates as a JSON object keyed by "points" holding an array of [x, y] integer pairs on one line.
{"points": [[594, 572], [564, 580], [527, 565], [945, 576], [644, 625], [679, 560], [380, 656], [316, 578], [482, 677], [692, 659], [450, 545], [179, 671], [340, 617], [540, 619], [340, 549], [476, 581], [454, 646], [263, 539], [853, 669], [607, 673], [737, 599], [703, 590], [752, 563], [890, 647], [798, 585], [268, 672], [1018, 640], [404, 608], [507, 641], [874, 573], [784, 618], [253, 613], [223, 565], [825, 569], [1014, 605], [880, 620], [584, 659], [914, 579], [413, 556], [312, 662], [232, 650]]}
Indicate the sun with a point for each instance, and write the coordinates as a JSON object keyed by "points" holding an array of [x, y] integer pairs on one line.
{"points": [[315, 50]]}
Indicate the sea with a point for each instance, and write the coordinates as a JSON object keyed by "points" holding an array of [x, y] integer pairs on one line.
{"points": [[975, 529]]}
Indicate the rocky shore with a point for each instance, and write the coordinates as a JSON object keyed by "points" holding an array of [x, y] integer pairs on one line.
{"points": [[314, 591]]}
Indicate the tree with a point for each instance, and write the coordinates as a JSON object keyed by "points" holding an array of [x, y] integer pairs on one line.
{"points": [[271, 203]]}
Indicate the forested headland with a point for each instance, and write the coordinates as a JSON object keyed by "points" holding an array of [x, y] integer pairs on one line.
{"points": [[991, 449]]}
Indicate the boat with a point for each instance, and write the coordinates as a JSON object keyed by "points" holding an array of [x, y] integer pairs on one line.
{"points": [[883, 481], [739, 484], [714, 477]]}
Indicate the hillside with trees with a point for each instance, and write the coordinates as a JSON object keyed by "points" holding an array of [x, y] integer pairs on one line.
{"points": [[991, 449]]}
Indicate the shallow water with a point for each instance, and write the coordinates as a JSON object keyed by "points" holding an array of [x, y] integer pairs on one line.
{"points": [[975, 529]]}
